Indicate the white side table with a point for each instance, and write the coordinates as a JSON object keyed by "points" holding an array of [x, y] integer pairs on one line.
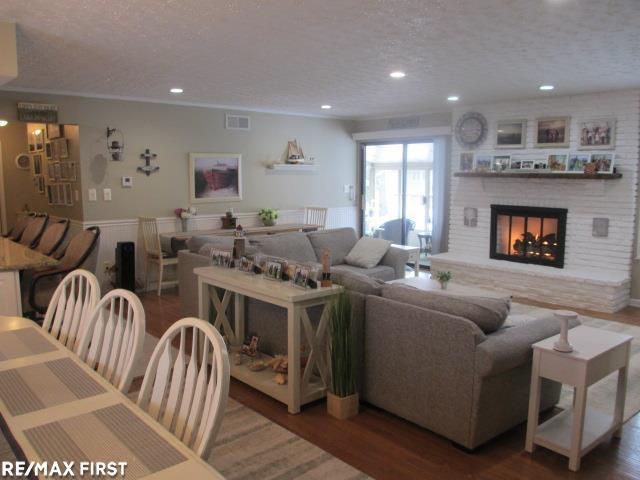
{"points": [[576, 431], [414, 256]]}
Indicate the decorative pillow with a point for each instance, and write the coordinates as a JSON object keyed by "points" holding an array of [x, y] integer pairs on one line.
{"points": [[294, 246], [339, 241], [357, 282], [367, 252], [488, 313]]}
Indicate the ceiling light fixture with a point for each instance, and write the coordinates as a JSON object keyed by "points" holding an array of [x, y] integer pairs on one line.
{"points": [[397, 74], [3, 123], [176, 90], [325, 107], [453, 98], [546, 87]]}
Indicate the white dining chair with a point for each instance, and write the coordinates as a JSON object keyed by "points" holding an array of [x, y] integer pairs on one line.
{"points": [[113, 339], [181, 391], [74, 299], [153, 251], [316, 216]]}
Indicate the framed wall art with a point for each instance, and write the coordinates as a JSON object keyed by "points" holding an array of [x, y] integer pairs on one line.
{"points": [[511, 134], [215, 177], [552, 132], [598, 134]]}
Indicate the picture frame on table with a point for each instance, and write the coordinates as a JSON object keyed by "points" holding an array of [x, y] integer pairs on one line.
{"points": [[221, 258], [301, 276], [483, 163], [273, 270], [467, 163], [500, 163], [552, 132], [511, 134], [577, 162], [557, 162], [597, 134], [605, 161], [215, 177]]}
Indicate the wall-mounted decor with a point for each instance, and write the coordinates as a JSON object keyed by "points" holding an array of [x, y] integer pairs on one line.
{"points": [[294, 152], [598, 134], [38, 183], [552, 132], [115, 143], [37, 139], [36, 162], [215, 177], [604, 161], [68, 171], [600, 227], [483, 163], [59, 148], [471, 129], [148, 169], [500, 163], [57, 171], [23, 161], [577, 161], [54, 130], [51, 172], [466, 161], [470, 217], [37, 112], [67, 194], [511, 133], [515, 164], [557, 162], [48, 151]]}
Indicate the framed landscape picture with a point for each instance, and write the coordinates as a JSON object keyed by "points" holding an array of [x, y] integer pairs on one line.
{"points": [[598, 134], [552, 132], [215, 177], [511, 134]]}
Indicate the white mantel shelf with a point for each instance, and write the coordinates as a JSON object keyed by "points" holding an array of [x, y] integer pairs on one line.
{"points": [[293, 167], [548, 175]]}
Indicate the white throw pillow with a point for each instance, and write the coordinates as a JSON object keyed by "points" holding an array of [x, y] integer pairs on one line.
{"points": [[367, 252]]}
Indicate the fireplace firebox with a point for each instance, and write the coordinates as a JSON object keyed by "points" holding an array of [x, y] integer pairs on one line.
{"points": [[528, 234]]}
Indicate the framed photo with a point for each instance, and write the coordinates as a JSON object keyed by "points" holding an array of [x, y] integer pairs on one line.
{"points": [[540, 164], [32, 148], [68, 171], [36, 162], [552, 132], [48, 150], [222, 258], [557, 162], [577, 161], [67, 194], [273, 270], [59, 148], [515, 164], [215, 177], [483, 163], [527, 164], [604, 161], [57, 171], [466, 161], [301, 276], [38, 139], [246, 264], [501, 163], [54, 131], [41, 184], [50, 192], [511, 134], [598, 134]]}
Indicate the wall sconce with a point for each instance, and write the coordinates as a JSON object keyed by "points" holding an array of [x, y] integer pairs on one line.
{"points": [[115, 146], [470, 217], [600, 227]]}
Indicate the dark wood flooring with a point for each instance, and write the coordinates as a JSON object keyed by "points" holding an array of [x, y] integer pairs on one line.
{"points": [[386, 447]]}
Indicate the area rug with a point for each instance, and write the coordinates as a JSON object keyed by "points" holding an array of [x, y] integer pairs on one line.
{"points": [[601, 395]]}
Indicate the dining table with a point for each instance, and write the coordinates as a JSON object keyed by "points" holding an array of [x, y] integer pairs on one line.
{"points": [[56, 409], [14, 258], [173, 242]]}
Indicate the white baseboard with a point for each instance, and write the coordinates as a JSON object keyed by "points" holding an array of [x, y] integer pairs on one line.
{"points": [[634, 302]]}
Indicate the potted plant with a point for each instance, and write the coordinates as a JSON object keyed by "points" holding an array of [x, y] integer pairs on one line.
{"points": [[444, 278], [342, 400], [268, 216]]}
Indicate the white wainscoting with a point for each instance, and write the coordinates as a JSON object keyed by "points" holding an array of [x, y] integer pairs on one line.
{"points": [[126, 230]]}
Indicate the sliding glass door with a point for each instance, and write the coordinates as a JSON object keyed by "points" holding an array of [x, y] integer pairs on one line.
{"points": [[397, 186]]}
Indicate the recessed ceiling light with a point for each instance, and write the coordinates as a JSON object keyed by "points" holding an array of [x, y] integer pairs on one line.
{"points": [[453, 98], [176, 90], [546, 87], [3, 123], [397, 74], [325, 107]]}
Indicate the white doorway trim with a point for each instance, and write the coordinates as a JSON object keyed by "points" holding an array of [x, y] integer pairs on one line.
{"points": [[3, 199]]}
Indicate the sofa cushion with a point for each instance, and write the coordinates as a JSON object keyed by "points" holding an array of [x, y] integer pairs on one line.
{"points": [[367, 252], [195, 243], [381, 272], [339, 241], [292, 245], [488, 313], [356, 282]]}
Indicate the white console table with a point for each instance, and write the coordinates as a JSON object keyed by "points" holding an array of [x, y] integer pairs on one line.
{"points": [[576, 431], [302, 386]]}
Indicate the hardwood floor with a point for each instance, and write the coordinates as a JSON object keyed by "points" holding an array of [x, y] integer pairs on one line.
{"points": [[386, 447]]}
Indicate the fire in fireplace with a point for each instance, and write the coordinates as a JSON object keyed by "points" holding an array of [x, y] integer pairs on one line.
{"points": [[528, 234]]}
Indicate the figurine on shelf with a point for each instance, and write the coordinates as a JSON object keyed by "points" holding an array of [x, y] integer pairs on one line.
{"points": [[591, 168], [279, 363], [325, 280], [280, 379], [250, 346], [257, 365]]}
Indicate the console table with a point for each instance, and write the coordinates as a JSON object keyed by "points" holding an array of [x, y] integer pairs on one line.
{"points": [[578, 430], [303, 386]]}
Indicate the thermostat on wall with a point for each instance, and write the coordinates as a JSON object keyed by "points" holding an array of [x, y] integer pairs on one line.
{"points": [[127, 182]]}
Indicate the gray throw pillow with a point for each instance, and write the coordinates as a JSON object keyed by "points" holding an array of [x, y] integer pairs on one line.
{"points": [[367, 252], [357, 282], [487, 313], [339, 241], [294, 246], [195, 243]]}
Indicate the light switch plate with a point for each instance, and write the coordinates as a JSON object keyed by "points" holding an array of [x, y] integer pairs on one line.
{"points": [[93, 195], [127, 182], [107, 194]]}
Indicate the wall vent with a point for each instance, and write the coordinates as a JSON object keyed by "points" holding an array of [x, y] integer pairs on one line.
{"points": [[404, 122], [238, 122]]}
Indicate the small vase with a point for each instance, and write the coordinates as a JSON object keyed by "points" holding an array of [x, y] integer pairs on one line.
{"points": [[342, 407], [563, 316], [268, 222], [184, 222], [443, 285]]}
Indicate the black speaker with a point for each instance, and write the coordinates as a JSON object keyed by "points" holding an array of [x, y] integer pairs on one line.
{"points": [[126, 266]]}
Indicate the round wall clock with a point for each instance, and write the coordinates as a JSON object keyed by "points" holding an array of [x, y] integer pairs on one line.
{"points": [[23, 161], [471, 129]]}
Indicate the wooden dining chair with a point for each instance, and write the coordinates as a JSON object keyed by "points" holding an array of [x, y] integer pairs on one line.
{"points": [[316, 216], [73, 301], [22, 219], [113, 338], [33, 230], [154, 253], [181, 391], [53, 237]]}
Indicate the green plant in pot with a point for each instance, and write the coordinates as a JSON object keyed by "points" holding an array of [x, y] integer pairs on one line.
{"points": [[342, 400], [268, 216], [444, 278]]}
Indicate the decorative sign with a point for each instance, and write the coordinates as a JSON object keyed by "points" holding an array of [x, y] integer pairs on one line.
{"points": [[37, 112]]}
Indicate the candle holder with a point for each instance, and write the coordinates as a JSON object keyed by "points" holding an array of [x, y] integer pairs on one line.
{"points": [[563, 316]]}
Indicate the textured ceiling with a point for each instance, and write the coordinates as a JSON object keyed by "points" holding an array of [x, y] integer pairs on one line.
{"points": [[294, 55]]}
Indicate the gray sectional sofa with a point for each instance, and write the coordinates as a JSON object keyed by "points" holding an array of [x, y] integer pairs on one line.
{"points": [[439, 370]]}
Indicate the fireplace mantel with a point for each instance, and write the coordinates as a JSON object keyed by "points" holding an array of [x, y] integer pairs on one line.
{"points": [[548, 175]]}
